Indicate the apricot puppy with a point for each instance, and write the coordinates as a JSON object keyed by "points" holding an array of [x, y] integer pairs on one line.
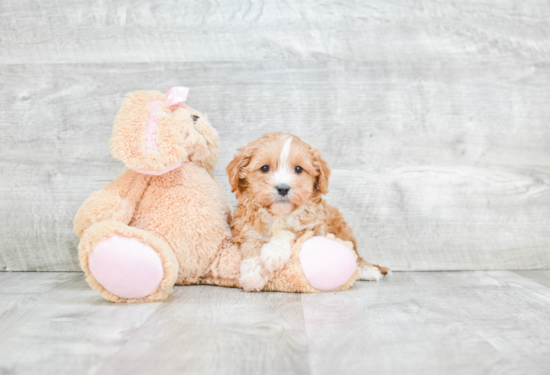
{"points": [[279, 182]]}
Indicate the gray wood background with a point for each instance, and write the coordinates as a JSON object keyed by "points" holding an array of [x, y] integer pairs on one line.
{"points": [[433, 115]]}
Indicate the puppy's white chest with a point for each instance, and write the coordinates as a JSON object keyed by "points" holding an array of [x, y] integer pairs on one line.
{"points": [[275, 223]]}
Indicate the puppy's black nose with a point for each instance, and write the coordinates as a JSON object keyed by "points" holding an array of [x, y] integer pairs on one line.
{"points": [[282, 189]]}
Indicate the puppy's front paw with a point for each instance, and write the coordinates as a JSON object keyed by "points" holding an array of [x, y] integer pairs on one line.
{"points": [[252, 279], [274, 257], [277, 251]]}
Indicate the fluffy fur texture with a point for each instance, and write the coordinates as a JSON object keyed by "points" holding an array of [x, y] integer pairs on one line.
{"points": [[266, 222], [183, 215]]}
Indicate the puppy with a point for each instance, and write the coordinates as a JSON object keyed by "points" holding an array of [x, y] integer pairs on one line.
{"points": [[279, 182]]}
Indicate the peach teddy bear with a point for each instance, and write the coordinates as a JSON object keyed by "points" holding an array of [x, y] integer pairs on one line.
{"points": [[164, 220]]}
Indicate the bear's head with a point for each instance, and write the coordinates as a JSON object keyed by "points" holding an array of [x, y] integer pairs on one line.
{"points": [[154, 133]]}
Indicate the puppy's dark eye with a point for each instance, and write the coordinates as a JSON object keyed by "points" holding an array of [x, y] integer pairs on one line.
{"points": [[265, 168], [298, 169], [195, 118]]}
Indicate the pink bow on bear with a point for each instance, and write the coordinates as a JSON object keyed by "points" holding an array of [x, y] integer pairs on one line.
{"points": [[176, 95]]}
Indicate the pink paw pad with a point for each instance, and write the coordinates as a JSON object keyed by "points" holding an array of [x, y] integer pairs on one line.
{"points": [[327, 264], [126, 267]]}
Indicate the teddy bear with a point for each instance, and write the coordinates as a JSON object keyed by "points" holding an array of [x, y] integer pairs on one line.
{"points": [[164, 220]]}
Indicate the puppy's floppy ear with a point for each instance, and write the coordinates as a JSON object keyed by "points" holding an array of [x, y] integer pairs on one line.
{"points": [[322, 167], [235, 172]]}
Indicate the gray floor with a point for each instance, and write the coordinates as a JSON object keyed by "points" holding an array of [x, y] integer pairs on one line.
{"points": [[479, 322]]}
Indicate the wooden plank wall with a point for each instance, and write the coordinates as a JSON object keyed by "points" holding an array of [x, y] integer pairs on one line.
{"points": [[433, 115]]}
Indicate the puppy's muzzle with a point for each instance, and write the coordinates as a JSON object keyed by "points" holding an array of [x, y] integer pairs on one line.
{"points": [[282, 190]]}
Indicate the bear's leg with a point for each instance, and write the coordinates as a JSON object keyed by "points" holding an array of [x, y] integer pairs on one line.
{"points": [[127, 264], [225, 269], [317, 264]]}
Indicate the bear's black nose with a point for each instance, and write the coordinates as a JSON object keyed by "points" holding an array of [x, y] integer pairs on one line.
{"points": [[282, 189]]}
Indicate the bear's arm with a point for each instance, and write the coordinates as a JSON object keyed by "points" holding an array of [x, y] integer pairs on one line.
{"points": [[116, 201]]}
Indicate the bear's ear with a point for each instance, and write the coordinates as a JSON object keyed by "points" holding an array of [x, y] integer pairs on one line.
{"points": [[321, 166], [235, 169], [147, 135]]}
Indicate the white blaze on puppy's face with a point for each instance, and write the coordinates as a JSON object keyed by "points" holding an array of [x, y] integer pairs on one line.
{"points": [[283, 174]]}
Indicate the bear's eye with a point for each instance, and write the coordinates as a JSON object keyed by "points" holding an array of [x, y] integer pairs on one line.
{"points": [[298, 169], [195, 118], [265, 168]]}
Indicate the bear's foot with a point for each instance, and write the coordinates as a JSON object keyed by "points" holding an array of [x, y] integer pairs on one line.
{"points": [[127, 264], [126, 267], [316, 264], [327, 264]]}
